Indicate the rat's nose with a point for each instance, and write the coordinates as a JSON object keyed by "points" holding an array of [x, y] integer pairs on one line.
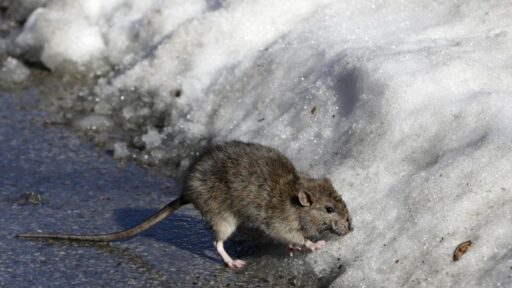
{"points": [[346, 228], [342, 229]]}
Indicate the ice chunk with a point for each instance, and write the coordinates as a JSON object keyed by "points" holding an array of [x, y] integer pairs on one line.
{"points": [[120, 150], [66, 41], [13, 71], [152, 139]]}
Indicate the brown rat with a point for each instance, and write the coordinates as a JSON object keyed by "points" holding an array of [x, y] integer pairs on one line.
{"points": [[244, 184]]}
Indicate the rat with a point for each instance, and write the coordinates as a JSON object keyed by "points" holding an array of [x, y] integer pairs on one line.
{"points": [[238, 184]]}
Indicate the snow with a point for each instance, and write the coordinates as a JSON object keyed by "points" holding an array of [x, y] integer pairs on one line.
{"points": [[405, 105], [152, 139], [94, 122], [13, 71], [87, 36]]}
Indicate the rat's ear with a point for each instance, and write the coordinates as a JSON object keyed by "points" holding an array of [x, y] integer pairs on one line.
{"points": [[327, 180], [305, 198]]}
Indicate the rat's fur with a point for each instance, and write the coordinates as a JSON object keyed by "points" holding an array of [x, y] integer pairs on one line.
{"points": [[244, 184]]}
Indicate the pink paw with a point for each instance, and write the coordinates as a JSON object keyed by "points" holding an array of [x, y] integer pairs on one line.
{"points": [[315, 246], [237, 263]]}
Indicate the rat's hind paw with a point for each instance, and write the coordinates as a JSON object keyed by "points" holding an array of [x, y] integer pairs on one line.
{"points": [[237, 263]]}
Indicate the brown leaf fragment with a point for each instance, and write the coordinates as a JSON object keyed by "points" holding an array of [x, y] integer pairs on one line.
{"points": [[49, 123], [461, 249]]}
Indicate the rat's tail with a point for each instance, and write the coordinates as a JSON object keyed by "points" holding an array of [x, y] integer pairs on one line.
{"points": [[152, 220]]}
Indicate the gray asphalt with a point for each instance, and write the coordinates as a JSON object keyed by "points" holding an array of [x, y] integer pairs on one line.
{"points": [[53, 180]]}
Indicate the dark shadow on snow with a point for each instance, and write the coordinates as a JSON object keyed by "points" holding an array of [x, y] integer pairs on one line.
{"points": [[348, 93]]}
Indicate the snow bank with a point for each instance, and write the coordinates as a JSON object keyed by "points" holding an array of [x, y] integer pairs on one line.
{"points": [[406, 105]]}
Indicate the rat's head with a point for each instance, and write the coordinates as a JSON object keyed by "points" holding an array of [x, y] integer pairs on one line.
{"points": [[321, 208]]}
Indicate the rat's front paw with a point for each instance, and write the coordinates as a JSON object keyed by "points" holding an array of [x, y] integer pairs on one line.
{"points": [[314, 246], [294, 250]]}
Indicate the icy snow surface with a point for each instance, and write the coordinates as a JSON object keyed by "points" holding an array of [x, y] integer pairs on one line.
{"points": [[406, 105]]}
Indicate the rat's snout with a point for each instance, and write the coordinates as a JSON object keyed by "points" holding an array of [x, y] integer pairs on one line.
{"points": [[341, 228]]}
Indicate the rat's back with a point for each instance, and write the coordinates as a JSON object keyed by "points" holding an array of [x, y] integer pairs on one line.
{"points": [[246, 180]]}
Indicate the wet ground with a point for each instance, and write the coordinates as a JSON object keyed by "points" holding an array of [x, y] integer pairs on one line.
{"points": [[53, 180]]}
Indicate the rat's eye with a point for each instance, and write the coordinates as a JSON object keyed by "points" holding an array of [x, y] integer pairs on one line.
{"points": [[329, 209]]}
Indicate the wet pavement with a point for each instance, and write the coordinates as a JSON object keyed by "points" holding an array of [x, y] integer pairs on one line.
{"points": [[53, 180]]}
